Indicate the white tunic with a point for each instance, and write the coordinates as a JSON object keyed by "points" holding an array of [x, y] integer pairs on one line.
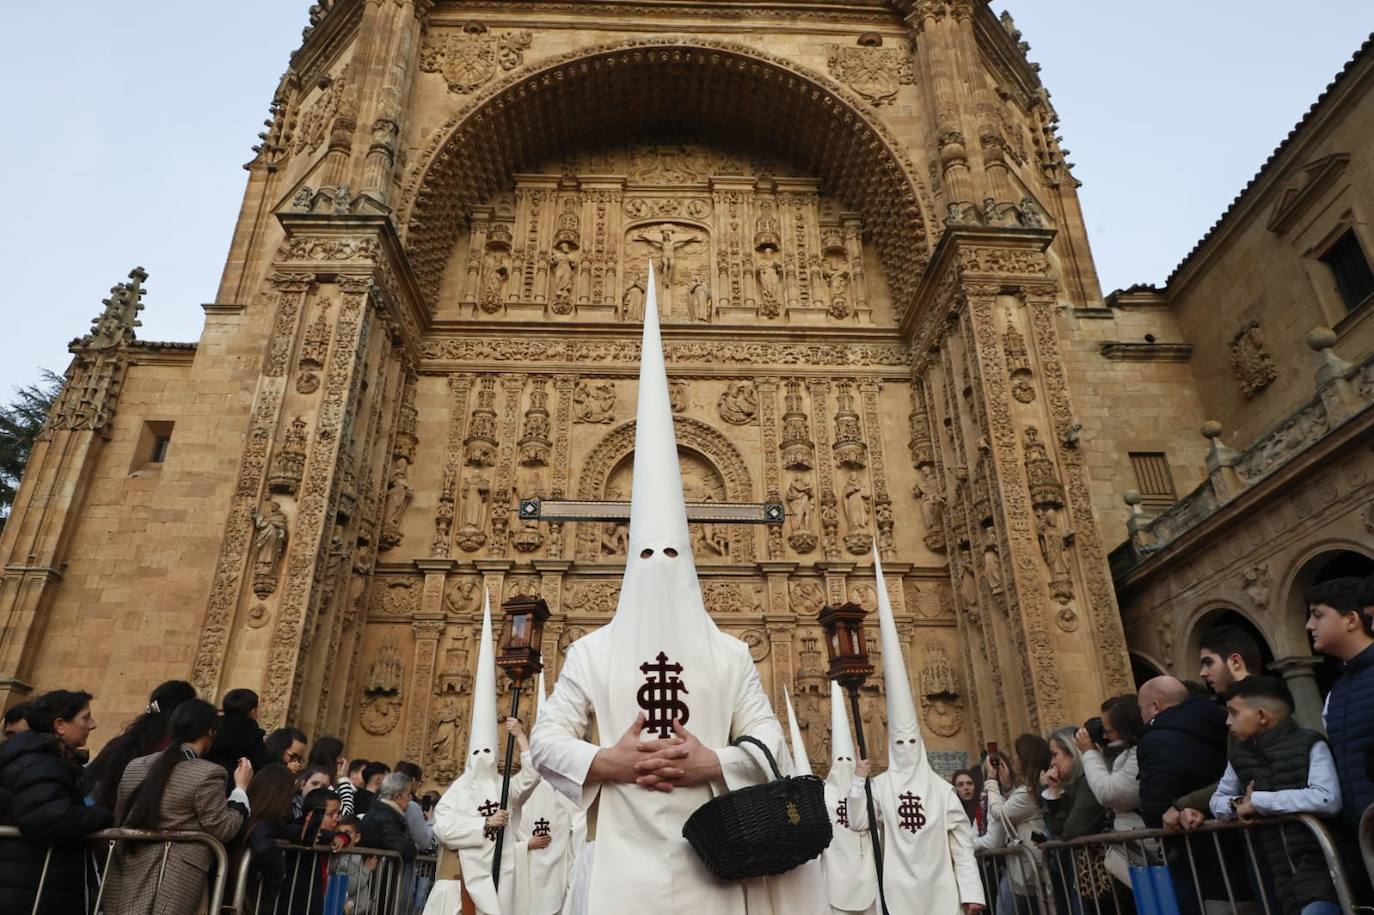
{"points": [[541, 874], [928, 863], [850, 877], [642, 862], [460, 825]]}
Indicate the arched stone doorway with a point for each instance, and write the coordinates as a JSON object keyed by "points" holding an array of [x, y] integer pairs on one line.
{"points": [[711, 465], [1322, 564], [1142, 669], [670, 84]]}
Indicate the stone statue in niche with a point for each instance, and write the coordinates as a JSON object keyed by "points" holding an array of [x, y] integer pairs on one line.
{"points": [[858, 531], [495, 272], [932, 505], [992, 561], [563, 261], [399, 494], [768, 271], [968, 581], [836, 273], [698, 299], [801, 498], [443, 748], [1054, 539], [632, 303], [739, 404], [940, 693], [269, 545], [472, 529], [594, 404]]}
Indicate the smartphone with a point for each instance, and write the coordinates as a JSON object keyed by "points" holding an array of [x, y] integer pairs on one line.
{"points": [[992, 749]]}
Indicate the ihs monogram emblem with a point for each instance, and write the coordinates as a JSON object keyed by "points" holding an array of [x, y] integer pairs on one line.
{"points": [[912, 816], [659, 697]]}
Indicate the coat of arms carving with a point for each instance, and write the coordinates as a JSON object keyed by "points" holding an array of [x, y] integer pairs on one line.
{"points": [[874, 73], [469, 58], [1251, 364]]}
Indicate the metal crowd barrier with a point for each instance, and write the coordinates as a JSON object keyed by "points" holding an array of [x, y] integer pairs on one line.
{"points": [[1367, 841], [104, 844], [1218, 862], [1014, 881], [361, 881]]}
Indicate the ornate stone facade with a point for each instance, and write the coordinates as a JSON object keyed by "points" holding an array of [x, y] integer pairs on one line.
{"points": [[446, 320]]}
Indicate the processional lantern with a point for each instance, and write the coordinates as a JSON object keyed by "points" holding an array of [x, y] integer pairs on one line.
{"points": [[521, 635], [846, 645]]}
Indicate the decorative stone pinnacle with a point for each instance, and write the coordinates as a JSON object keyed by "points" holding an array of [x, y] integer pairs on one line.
{"points": [[1211, 429], [115, 324]]}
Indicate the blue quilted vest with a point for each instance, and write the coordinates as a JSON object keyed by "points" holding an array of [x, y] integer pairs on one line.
{"points": [[1350, 730]]}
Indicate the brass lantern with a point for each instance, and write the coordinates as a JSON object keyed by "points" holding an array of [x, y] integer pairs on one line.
{"points": [[846, 645], [521, 635]]}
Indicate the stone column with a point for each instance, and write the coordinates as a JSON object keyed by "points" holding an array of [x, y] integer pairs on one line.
{"points": [[428, 632], [937, 43], [1300, 673]]}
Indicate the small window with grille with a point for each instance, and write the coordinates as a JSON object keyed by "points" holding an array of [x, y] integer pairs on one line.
{"points": [[1153, 480]]}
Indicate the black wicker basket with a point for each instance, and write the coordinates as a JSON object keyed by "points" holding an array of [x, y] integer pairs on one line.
{"points": [[761, 830]]}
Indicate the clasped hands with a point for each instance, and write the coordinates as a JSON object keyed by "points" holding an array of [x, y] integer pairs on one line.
{"points": [[680, 761]]}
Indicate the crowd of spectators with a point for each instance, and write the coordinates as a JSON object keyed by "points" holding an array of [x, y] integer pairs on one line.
{"points": [[185, 765]]}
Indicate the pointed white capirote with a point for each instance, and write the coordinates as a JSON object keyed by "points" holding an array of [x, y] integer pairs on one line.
{"points": [[799, 757]]}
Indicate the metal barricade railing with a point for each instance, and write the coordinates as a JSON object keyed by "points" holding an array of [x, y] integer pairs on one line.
{"points": [[99, 852], [1014, 881], [420, 881], [1367, 841], [1217, 857], [352, 880]]}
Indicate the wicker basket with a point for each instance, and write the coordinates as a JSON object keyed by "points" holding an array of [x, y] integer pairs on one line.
{"points": [[761, 830]]}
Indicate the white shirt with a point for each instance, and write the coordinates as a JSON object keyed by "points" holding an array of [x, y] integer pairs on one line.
{"points": [[1322, 795]]}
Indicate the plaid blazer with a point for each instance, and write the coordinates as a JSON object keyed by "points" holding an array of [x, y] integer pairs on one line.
{"points": [[139, 882]]}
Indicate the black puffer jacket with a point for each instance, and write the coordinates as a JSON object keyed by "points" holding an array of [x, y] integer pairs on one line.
{"points": [[39, 793], [1183, 749]]}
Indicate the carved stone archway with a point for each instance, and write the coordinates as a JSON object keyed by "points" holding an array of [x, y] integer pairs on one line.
{"points": [[692, 434], [651, 84]]}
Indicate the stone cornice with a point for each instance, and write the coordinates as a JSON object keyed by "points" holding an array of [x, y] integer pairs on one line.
{"points": [[1121, 351]]}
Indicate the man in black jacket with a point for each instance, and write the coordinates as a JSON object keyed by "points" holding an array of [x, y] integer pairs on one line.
{"points": [[1184, 749], [40, 771], [385, 827]]}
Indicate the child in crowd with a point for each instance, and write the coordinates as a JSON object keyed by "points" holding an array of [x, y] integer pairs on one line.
{"points": [[1276, 768]]}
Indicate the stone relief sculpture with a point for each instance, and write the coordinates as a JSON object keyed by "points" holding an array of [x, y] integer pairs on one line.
{"points": [[269, 545], [381, 706], [1250, 363], [594, 404], [463, 596], [443, 748], [941, 701], [739, 404], [698, 298]]}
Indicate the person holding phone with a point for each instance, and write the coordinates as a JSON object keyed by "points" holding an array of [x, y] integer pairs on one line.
{"points": [[1015, 816]]}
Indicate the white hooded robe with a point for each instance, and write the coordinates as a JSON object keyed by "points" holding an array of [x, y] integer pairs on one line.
{"points": [[460, 816], [662, 654], [851, 881], [928, 863]]}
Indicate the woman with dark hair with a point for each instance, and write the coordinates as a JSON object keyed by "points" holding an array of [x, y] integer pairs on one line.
{"points": [[328, 752], [1113, 775], [145, 734], [966, 787], [40, 793], [177, 789], [269, 796], [1015, 817]]}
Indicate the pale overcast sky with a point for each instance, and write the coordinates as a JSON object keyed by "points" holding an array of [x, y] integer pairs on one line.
{"points": [[128, 124]]}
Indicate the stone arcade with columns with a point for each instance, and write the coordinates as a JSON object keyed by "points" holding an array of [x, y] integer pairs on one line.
{"points": [[879, 309]]}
